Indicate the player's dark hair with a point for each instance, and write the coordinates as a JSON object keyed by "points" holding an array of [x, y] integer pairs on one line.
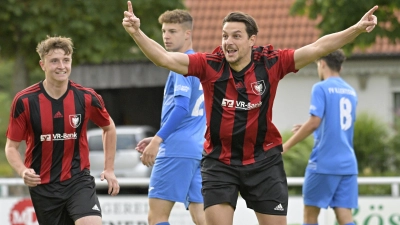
{"points": [[52, 43], [249, 22], [334, 60]]}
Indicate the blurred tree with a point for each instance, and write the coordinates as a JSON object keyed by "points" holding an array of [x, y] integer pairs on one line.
{"points": [[370, 145], [5, 102], [94, 26], [337, 15]]}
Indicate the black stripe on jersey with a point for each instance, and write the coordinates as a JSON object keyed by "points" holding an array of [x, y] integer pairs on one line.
{"points": [[240, 121], [215, 63], [96, 102], [239, 129], [80, 108], [217, 111], [271, 60], [35, 119], [58, 128], [262, 74], [19, 108]]}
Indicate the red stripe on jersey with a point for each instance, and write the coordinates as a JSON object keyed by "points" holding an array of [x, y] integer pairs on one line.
{"points": [[16, 126], [69, 109], [47, 146], [227, 124], [28, 152], [273, 136]]}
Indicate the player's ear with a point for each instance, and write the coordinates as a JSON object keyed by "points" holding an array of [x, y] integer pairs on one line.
{"points": [[252, 40], [41, 63], [188, 34]]}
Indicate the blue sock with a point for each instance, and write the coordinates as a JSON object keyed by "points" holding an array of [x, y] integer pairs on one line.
{"points": [[163, 223], [352, 223]]}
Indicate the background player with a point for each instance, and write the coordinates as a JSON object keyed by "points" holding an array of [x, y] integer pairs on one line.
{"points": [[331, 174], [179, 143]]}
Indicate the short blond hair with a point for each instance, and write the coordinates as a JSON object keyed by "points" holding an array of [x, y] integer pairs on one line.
{"points": [[52, 43], [178, 16]]}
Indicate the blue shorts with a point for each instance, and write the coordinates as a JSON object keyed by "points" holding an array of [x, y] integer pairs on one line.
{"points": [[176, 180], [327, 190]]}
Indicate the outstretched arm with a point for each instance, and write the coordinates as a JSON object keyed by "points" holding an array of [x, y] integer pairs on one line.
{"points": [[175, 61], [329, 43], [302, 132]]}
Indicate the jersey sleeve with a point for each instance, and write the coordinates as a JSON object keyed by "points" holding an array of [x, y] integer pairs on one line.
{"points": [[197, 65], [317, 107], [286, 62], [98, 111], [17, 126]]}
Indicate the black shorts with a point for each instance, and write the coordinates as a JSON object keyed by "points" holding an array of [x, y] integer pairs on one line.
{"points": [[64, 202], [262, 184]]}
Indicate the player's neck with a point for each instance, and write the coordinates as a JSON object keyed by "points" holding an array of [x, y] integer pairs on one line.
{"points": [[186, 47], [330, 73], [55, 89]]}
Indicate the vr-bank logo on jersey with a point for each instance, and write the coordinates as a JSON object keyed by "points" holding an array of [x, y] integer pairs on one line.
{"points": [[58, 137], [75, 120], [258, 87], [240, 104], [45, 137]]}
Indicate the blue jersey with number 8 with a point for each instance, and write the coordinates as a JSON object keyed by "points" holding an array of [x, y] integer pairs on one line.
{"points": [[334, 101]]}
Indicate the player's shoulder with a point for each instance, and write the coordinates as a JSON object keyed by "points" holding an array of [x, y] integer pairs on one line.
{"points": [[31, 90], [80, 88]]}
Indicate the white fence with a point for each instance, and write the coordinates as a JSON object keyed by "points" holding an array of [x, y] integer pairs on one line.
{"points": [[394, 182]]}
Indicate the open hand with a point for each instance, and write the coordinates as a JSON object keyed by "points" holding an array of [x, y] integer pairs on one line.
{"points": [[113, 186], [148, 157], [143, 144], [130, 22], [296, 127]]}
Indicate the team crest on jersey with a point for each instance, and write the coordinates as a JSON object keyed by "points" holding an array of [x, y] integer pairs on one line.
{"points": [[75, 120], [258, 87]]}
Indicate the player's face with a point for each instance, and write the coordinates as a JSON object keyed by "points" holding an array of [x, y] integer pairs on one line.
{"points": [[56, 65], [174, 37], [236, 44]]}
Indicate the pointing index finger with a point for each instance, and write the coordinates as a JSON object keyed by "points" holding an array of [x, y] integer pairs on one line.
{"points": [[370, 12], [130, 7]]}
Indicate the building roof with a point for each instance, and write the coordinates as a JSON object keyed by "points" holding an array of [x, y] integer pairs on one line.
{"points": [[276, 26]]}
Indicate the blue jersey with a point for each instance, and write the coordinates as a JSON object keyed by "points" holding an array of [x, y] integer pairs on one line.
{"points": [[334, 101], [188, 139]]}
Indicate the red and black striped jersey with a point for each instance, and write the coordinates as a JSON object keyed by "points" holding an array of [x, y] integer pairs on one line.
{"points": [[55, 129], [239, 104]]}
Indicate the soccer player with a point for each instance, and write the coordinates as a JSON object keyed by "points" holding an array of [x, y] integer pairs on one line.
{"points": [[179, 143], [52, 117], [243, 147], [331, 174]]}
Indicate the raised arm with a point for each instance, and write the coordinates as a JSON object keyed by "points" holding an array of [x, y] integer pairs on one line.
{"points": [[175, 61], [329, 43]]}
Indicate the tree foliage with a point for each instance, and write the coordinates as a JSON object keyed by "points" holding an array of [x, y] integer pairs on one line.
{"points": [[337, 15], [94, 26]]}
